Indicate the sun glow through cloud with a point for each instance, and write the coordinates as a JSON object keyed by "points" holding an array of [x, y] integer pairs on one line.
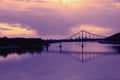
{"points": [[91, 28]]}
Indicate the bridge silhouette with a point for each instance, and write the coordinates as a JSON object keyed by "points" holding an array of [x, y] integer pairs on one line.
{"points": [[81, 36], [81, 56]]}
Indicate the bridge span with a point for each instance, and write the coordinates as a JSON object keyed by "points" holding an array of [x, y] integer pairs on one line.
{"points": [[81, 36], [73, 40]]}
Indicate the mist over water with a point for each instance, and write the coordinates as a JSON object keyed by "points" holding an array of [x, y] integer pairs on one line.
{"points": [[94, 61]]}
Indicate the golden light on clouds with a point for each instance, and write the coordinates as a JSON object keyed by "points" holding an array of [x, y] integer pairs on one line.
{"points": [[16, 30], [79, 4], [18, 5], [62, 6], [59, 5], [91, 28], [65, 1]]}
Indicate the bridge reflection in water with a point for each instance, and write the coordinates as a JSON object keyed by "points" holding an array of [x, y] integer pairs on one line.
{"points": [[83, 56]]}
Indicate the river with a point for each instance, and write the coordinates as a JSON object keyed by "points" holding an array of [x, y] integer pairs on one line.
{"points": [[93, 61]]}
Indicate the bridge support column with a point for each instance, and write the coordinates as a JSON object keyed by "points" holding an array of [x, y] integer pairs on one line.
{"points": [[60, 47], [82, 44], [60, 44], [82, 39]]}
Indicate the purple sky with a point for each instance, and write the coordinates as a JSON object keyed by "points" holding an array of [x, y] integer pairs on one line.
{"points": [[58, 18]]}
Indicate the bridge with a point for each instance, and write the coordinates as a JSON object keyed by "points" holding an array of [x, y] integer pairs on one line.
{"points": [[81, 36], [82, 56]]}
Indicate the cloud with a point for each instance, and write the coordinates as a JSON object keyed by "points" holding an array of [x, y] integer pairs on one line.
{"points": [[56, 17], [62, 6], [20, 5], [116, 4], [16, 30], [92, 29]]}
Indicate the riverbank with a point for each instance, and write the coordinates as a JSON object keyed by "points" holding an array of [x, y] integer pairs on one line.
{"points": [[114, 39], [22, 42]]}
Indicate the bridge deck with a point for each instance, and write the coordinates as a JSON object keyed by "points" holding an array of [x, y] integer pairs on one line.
{"points": [[73, 40]]}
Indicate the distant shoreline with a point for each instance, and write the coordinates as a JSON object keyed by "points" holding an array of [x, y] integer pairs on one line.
{"points": [[114, 39], [22, 42]]}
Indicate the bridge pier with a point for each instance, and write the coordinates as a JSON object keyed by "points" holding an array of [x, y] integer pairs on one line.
{"points": [[60, 46], [82, 44]]}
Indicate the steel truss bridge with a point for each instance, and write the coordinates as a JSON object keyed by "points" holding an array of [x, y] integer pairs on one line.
{"points": [[81, 36]]}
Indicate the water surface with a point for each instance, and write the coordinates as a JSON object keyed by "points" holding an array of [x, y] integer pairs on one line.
{"points": [[94, 61]]}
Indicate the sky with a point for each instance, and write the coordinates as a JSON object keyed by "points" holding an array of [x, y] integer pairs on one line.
{"points": [[53, 19]]}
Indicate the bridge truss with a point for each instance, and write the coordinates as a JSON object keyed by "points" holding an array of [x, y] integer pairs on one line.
{"points": [[85, 35]]}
